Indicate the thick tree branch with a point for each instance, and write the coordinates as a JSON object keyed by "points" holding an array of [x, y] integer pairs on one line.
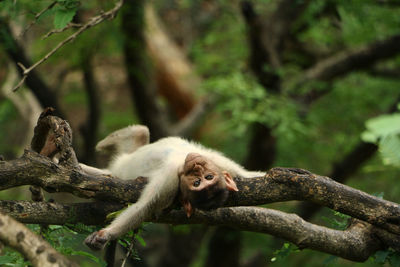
{"points": [[356, 243], [34, 248], [346, 62], [279, 184], [34, 169], [89, 213]]}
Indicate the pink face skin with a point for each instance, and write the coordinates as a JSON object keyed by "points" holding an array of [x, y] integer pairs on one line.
{"points": [[198, 174]]}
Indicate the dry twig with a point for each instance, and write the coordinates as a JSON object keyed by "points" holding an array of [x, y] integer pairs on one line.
{"points": [[92, 22], [37, 16]]}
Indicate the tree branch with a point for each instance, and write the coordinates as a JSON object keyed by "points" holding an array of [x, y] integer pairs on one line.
{"points": [[279, 184], [345, 62], [356, 243]]}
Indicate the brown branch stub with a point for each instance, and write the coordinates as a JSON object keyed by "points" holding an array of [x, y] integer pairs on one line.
{"points": [[52, 136], [33, 247]]}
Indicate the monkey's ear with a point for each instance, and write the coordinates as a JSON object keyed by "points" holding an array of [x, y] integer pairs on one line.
{"points": [[188, 208], [230, 183]]}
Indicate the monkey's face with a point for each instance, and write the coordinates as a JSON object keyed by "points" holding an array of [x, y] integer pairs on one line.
{"points": [[203, 185]]}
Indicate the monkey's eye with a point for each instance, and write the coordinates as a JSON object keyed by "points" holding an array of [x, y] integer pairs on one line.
{"points": [[196, 183], [209, 177]]}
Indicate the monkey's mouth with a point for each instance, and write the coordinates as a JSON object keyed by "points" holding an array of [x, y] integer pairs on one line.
{"points": [[192, 157], [192, 163]]}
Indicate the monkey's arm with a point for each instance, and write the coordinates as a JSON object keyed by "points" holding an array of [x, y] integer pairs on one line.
{"points": [[157, 195]]}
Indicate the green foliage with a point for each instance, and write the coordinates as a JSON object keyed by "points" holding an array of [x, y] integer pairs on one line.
{"points": [[65, 238], [12, 258], [387, 256], [385, 132], [282, 253], [64, 12], [245, 102], [340, 221]]}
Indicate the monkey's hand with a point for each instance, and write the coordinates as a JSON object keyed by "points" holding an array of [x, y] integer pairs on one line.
{"points": [[98, 240]]}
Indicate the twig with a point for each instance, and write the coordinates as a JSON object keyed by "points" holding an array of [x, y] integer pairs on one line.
{"points": [[37, 16], [69, 26], [130, 249], [92, 22]]}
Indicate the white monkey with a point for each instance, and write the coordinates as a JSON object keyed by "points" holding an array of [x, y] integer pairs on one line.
{"points": [[201, 176]]}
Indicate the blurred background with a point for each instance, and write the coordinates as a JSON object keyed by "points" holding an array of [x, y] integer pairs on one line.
{"points": [[292, 83]]}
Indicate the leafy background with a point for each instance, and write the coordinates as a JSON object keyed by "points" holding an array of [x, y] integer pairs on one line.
{"points": [[213, 36]]}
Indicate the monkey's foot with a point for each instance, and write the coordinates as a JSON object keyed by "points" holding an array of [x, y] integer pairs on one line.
{"points": [[98, 240]]}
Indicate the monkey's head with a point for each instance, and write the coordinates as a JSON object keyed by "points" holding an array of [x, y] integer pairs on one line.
{"points": [[203, 185]]}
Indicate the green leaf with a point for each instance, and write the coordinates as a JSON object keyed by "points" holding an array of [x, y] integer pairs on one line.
{"points": [[381, 126], [380, 256], [369, 137], [86, 254], [389, 147], [140, 240], [62, 17], [6, 259], [394, 260]]}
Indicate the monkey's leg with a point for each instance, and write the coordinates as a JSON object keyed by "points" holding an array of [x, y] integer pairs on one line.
{"points": [[125, 140], [94, 171]]}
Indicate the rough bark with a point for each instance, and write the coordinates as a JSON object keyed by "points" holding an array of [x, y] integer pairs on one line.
{"points": [[89, 213], [34, 169]]}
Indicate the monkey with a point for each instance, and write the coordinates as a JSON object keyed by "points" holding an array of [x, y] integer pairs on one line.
{"points": [[202, 177]]}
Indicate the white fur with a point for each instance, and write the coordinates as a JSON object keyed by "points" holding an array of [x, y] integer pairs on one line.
{"points": [[160, 162]]}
